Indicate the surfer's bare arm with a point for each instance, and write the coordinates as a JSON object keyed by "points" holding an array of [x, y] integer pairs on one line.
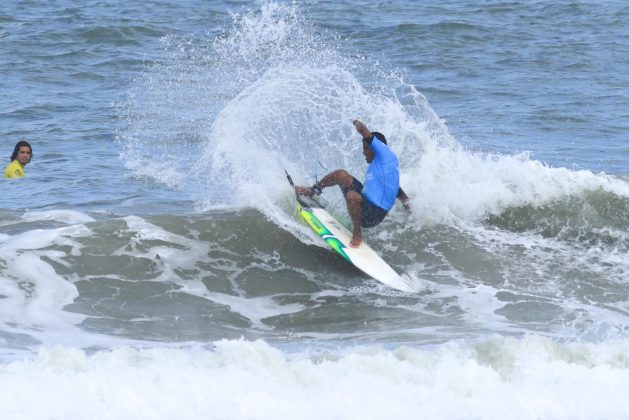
{"points": [[401, 195], [362, 128]]}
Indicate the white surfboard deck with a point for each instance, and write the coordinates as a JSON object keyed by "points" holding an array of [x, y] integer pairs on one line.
{"points": [[363, 256]]}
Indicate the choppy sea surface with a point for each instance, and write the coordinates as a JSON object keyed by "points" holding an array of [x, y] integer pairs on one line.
{"points": [[152, 264]]}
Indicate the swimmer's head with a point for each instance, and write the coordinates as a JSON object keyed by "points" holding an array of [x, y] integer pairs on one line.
{"points": [[18, 146]]}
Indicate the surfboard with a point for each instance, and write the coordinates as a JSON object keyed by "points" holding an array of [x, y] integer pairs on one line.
{"points": [[338, 237]]}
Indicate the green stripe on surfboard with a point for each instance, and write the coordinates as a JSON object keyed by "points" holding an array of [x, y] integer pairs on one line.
{"points": [[322, 231]]}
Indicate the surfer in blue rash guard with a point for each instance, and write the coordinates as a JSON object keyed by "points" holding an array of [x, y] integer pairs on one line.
{"points": [[367, 205]]}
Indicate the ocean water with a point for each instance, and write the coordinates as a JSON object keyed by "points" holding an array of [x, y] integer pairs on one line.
{"points": [[152, 264]]}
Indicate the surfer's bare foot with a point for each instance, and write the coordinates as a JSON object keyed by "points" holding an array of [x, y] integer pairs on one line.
{"points": [[307, 191], [356, 241]]}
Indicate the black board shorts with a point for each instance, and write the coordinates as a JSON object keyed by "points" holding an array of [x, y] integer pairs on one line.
{"points": [[370, 215]]}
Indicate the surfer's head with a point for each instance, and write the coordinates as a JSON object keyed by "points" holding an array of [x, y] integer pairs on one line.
{"points": [[23, 152], [367, 152]]}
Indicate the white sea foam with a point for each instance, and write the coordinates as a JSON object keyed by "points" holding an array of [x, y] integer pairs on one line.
{"points": [[66, 216], [255, 309], [171, 251], [453, 183], [494, 379], [34, 293], [185, 253]]}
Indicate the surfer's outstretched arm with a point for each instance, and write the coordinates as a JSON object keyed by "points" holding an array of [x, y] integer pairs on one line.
{"points": [[361, 128], [401, 195]]}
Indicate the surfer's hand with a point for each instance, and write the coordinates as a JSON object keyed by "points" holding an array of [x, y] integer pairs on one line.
{"points": [[406, 202], [361, 128]]}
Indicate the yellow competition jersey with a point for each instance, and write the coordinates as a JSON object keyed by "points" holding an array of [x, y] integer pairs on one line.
{"points": [[14, 170]]}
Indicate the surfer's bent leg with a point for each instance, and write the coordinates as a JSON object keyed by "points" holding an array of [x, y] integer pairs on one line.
{"points": [[352, 189], [371, 215], [355, 186], [354, 207], [340, 177]]}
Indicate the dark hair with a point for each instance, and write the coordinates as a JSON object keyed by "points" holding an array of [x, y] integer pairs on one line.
{"points": [[21, 143], [379, 136]]}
